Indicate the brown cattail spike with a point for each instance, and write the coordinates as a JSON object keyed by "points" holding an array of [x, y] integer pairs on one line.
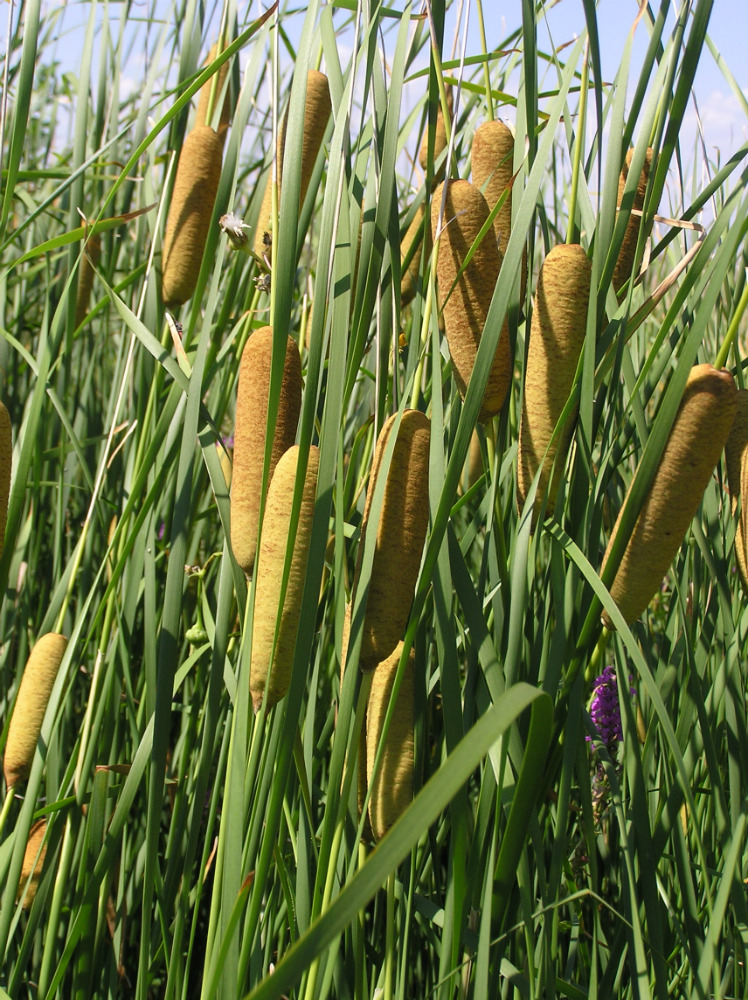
{"points": [[192, 201], [392, 786], [316, 116], [6, 463], [556, 338], [89, 263], [692, 450], [440, 140], [411, 244], [31, 704], [250, 434], [492, 160], [271, 663], [736, 461], [33, 862], [401, 532], [625, 262], [210, 94], [465, 304]]}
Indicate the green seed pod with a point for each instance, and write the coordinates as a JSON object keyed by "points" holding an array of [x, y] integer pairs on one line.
{"points": [[557, 333], [31, 704], [205, 103], [736, 461], [625, 262], [6, 463], [250, 433], [271, 668], [692, 450], [465, 306], [89, 262], [401, 533], [392, 786], [33, 862], [195, 189], [316, 116], [492, 161]]}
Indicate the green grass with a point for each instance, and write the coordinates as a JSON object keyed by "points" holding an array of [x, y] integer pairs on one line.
{"points": [[196, 850]]}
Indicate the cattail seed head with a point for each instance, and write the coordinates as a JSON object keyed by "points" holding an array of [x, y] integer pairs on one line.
{"points": [[625, 262], [33, 862], [440, 139], [692, 450], [31, 704], [195, 189], [88, 265], [250, 433], [392, 786], [465, 306], [316, 116], [413, 238], [557, 333], [271, 663], [400, 535]]}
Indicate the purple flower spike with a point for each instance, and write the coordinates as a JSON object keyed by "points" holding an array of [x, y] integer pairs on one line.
{"points": [[605, 710]]}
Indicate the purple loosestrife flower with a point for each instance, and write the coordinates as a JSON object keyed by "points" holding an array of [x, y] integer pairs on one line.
{"points": [[605, 710]]}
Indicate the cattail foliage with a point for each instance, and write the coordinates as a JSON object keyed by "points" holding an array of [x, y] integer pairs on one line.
{"points": [[492, 163], [6, 464], [88, 265], [401, 533], [465, 306], [557, 335], [316, 116], [33, 862], [392, 786], [271, 660], [625, 262], [440, 140], [736, 461], [31, 704], [252, 397], [205, 103], [692, 450], [192, 201]]}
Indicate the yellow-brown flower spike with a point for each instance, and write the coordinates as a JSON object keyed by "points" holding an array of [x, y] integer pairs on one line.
{"points": [[192, 201], [440, 140], [316, 116], [250, 434], [392, 786], [625, 262], [33, 862], [492, 162], [88, 265], [736, 461], [271, 663], [31, 703], [214, 87], [465, 304], [557, 333], [400, 535], [6, 464], [692, 450], [412, 239]]}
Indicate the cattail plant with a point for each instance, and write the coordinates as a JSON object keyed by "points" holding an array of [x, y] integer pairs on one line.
{"points": [[392, 786], [440, 140], [31, 703], [736, 461], [316, 116], [401, 532], [625, 261], [492, 164], [33, 863], [192, 201], [210, 92], [272, 654], [88, 265], [411, 244], [6, 463], [465, 292], [556, 338], [692, 450], [250, 434]]}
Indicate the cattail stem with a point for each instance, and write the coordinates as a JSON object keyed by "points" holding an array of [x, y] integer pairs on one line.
{"points": [[9, 796], [732, 330], [578, 144], [389, 943]]}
